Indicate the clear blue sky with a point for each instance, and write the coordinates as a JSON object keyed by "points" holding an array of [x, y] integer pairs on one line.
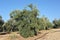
{"points": [[49, 8]]}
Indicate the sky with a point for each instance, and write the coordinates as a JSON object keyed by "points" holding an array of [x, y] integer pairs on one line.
{"points": [[49, 8]]}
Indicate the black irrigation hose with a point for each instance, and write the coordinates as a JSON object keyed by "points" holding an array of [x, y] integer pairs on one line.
{"points": [[41, 36], [46, 34]]}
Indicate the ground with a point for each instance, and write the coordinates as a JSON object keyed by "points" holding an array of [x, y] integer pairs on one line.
{"points": [[53, 34]]}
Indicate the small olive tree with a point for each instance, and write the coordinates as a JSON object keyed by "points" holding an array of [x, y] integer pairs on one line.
{"points": [[1, 23], [44, 23]]}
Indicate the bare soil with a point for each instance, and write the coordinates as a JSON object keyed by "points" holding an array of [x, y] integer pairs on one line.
{"points": [[53, 34]]}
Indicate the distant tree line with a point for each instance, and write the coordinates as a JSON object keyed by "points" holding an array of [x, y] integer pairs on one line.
{"points": [[27, 22]]}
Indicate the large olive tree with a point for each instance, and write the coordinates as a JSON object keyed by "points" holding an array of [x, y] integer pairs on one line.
{"points": [[26, 20]]}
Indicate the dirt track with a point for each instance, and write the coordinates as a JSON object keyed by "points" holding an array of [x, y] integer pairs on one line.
{"points": [[53, 34]]}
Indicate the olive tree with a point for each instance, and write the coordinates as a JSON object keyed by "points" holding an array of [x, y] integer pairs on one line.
{"points": [[26, 21]]}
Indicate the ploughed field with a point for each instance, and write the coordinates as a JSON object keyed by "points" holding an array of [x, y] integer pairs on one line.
{"points": [[52, 34]]}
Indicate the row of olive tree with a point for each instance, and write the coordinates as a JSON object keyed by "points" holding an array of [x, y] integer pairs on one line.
{"points": [[27, 22]]}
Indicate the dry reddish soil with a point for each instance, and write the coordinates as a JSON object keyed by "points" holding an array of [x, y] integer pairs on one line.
{"points": [[53, 34]]}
